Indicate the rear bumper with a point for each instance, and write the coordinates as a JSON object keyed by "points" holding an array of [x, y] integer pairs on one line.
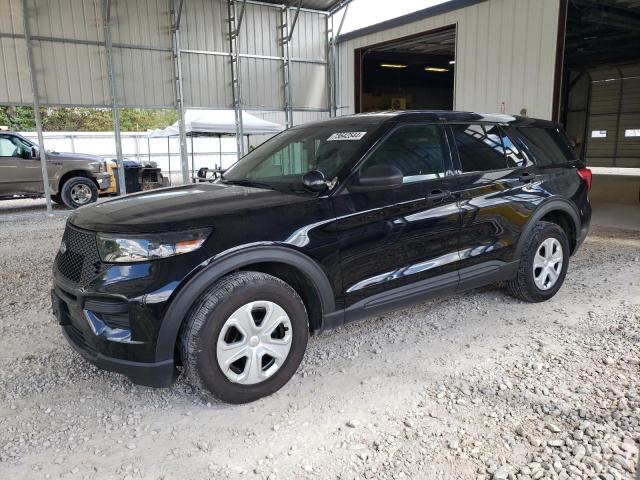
{"points": [[160, 374]]}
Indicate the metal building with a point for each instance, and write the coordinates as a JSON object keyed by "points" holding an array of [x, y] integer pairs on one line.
{"points": [[575, 61], [269, 56]]}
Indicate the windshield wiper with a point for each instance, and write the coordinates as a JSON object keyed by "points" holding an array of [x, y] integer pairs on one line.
{"points": [[248, 183]]}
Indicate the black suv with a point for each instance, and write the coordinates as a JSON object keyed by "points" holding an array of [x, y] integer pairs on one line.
{"points": [[323, 224]]}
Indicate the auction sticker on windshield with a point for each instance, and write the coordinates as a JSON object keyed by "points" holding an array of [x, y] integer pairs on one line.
{"points": [[346, 136]]}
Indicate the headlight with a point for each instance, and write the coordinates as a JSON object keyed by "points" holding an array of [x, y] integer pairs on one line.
{"points": [[142, 248]]}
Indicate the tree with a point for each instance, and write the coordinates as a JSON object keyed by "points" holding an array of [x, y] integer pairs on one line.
{"points": [[85, 119]]}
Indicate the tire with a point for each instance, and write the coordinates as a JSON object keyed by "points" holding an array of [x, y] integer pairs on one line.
{"points": [[78, 191], [532, 283], [210, 332]]}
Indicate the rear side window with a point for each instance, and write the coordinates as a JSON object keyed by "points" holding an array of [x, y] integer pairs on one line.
{"points": [[416, 150], [516, 157], [549, 146], [480, 147]]}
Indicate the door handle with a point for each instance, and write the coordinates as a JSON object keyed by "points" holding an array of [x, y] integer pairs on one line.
{"points": [[526, 177], [437, 196]]}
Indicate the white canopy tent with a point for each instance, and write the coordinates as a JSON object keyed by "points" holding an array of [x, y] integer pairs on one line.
{"points": [[214, 123], [217, 123]]}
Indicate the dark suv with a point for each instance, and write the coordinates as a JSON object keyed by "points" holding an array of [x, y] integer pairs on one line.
{"points": [[323, 224]]}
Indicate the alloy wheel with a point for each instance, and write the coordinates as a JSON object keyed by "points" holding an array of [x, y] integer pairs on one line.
{"points": [[80, 194]]}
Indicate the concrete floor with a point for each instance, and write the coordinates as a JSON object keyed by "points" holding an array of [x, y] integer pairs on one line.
{"points": [[615, 215]]}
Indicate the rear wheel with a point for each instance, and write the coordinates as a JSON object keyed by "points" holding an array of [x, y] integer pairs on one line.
{"points": [[79, 191], [543, 266], [245, 337]]}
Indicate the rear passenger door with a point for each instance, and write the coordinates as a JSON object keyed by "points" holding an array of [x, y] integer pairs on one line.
{"points": [[496, 194]]}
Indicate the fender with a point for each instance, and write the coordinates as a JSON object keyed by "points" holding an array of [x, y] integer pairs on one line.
{"points": [[548, 206], [229, 261]]}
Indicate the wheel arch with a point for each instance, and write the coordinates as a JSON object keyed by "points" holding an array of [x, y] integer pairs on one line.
{"points": [[75, 173], [266, 259], [558, 211]]}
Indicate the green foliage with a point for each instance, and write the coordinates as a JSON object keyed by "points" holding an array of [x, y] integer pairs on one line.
{"points": [[85, 119]]}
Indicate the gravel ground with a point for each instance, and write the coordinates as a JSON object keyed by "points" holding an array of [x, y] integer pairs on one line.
{"points": [[474, 386]]}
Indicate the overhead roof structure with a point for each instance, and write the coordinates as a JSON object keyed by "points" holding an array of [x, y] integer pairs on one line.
{"points": [[269, 56], [323, 5]]}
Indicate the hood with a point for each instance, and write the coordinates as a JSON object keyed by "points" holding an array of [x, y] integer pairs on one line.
{"points": [[65, 156], [178, 208]]}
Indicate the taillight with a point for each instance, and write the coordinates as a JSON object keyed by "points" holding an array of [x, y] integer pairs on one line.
{"points": [[586, 175]]}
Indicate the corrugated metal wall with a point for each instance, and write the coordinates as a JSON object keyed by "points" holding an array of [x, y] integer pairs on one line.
{"points": [[614, 108], [71, 65], [505, 52]]}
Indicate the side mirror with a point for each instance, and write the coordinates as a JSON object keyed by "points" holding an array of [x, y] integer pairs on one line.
{"points": [[315, 181], [34, 152], [378, 177]]}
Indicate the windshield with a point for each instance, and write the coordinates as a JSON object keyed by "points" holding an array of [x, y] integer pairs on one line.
{"points": [[283, 160]]}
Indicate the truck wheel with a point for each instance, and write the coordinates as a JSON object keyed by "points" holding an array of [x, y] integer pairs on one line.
{"points": [[543, 266], [245, 337], [79, 191]]}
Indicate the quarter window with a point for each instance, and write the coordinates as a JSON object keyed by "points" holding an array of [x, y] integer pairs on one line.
{"points": [[548, 146], [480, 147], [416, 150]]}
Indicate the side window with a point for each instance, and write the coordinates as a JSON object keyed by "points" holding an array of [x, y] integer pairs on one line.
{"points": [[548, 146], [515, 156], [479, 147], [8, 148], [416, 150]]}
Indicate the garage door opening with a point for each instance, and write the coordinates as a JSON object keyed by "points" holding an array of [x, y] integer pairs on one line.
{"points": [[601, 83], [410, 73]]}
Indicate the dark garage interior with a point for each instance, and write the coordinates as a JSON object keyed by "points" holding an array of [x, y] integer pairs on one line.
{"points": [[415, 72], [601, 83]]}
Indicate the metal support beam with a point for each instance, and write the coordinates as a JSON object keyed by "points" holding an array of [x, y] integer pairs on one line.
{"points": [[236, 83], [333, 62], [115, 112], [286, 65], [295, 21], [178, 15], [617, 139], [36, 107], [177, 58]]}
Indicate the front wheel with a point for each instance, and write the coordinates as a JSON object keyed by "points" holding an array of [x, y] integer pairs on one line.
{"points": [[245, 338], [79, 191], [543, 266]]}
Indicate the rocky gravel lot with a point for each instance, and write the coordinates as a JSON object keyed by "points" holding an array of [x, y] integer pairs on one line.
{"points": [[476, 386]]}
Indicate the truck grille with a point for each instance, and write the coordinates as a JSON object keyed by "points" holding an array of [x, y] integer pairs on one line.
{"points": [[80, 262]]}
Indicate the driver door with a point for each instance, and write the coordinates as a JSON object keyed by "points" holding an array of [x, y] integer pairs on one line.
{"points": [[403, 238], [18, 174]]}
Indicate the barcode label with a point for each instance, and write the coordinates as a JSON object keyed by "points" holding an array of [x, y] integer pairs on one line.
{"points": [[346, 136]]}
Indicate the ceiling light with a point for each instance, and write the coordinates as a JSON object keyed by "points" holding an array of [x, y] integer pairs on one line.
{"points": [[393, 65], [452, 62], [436, 69]]}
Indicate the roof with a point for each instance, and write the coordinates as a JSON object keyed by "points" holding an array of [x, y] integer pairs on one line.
{"points": [[323, 5], [429, 116], [446, 7]]}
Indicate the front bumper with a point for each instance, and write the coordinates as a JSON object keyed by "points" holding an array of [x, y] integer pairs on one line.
{"points": [[79, 320], [103, 180]]}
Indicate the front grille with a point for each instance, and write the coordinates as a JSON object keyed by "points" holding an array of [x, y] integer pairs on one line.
{"points": [[80, 263]]}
